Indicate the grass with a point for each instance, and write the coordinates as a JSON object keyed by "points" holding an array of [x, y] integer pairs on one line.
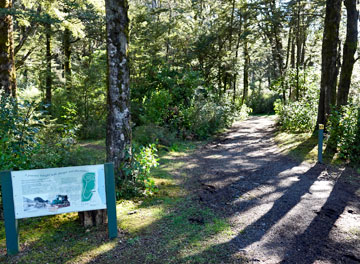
{"points": [[169, 227], [301, 146], [304, 147]]}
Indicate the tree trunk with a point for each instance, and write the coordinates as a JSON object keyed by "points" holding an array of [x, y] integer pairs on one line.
{"points": [[246, 69], [118, 133], [7, 62], [349, 50], [48, 88], [329, 70], [350, 46], [67, 63], [236, 59]]}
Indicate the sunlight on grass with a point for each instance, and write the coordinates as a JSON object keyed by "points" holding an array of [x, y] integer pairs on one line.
{"points": [[88, 256], [301, 145], [133, 219], [34, 229]]}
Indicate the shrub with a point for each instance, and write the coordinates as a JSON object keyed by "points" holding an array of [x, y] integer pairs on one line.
{"points": [[148, 134], [297, 116], [156, 108], [344, 128], [262, 103], [204, 117], [19, 124], [137, 170]]}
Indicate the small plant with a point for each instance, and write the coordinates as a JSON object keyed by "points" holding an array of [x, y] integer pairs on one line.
{"points": [[136, 172]]}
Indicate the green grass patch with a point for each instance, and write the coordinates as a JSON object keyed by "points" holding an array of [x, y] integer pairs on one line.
{"points": [[304, 147]]}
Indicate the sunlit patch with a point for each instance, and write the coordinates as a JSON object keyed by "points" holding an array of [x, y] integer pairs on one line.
{"points": [[90, 255], [215, 156], [192, 166], [134, 217], [321, 189]]}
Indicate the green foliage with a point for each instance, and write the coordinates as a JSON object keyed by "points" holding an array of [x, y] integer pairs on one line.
{"points": [[19, 124], [156, 107], [300, 116], [29, 139], [55, 144], [136, 172], [344, 131], [261, 103], [148, 134], [179, 103], [205, 116], [296, 116]]}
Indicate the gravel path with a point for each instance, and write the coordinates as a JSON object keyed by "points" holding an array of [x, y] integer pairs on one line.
{"points": [[280, 210]]}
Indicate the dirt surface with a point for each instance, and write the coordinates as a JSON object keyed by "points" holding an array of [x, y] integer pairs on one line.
{"points": [[280, 210]]}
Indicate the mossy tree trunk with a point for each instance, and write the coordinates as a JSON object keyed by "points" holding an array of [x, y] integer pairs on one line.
{"points": [[7, 62], [329, 57], [118, 133]]}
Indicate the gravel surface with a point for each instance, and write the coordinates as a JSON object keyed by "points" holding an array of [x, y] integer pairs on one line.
{"points": [[280, 210]]}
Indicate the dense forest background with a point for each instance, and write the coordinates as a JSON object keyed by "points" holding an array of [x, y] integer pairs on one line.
{"points": [[195, 67]]}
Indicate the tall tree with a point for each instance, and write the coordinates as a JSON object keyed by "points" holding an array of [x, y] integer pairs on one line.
{"points": [[67, 62], [329, 69], [7, 62], [349, 50], [48, 85], [118, 132]]}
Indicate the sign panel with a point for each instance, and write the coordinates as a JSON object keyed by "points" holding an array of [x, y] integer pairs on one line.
{"points": [[56, 191]]}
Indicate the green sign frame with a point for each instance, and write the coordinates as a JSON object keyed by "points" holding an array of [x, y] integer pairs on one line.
{"points": [[11, 223]]}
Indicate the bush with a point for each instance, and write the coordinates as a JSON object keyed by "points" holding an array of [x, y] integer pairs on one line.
{"points": [[204, 117], [297, 116], [19, 124], [262, 103], [156, 108], [148, 134], [344, 128], [137, 170]]}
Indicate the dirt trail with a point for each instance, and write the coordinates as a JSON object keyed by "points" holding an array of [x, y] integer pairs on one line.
{"points": [[280, 210]]}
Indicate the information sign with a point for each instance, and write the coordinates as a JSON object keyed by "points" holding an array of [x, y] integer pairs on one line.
{"points": [[59, 190]]}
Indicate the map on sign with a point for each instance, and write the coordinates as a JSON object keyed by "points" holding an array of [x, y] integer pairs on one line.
{"points": [[88, 185], [60, 190]]}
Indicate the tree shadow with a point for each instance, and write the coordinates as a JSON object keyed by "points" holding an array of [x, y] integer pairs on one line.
{"points": [[315, 243]]}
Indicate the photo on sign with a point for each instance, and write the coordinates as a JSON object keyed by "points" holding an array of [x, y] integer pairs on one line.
{"points": [[39, 203]]}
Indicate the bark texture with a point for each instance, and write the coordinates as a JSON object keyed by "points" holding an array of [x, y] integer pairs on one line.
{"points": [[48, 95], [329, 55], [349, 50], [118, 135], [246, 72], [67, 63], [7, 62]]}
